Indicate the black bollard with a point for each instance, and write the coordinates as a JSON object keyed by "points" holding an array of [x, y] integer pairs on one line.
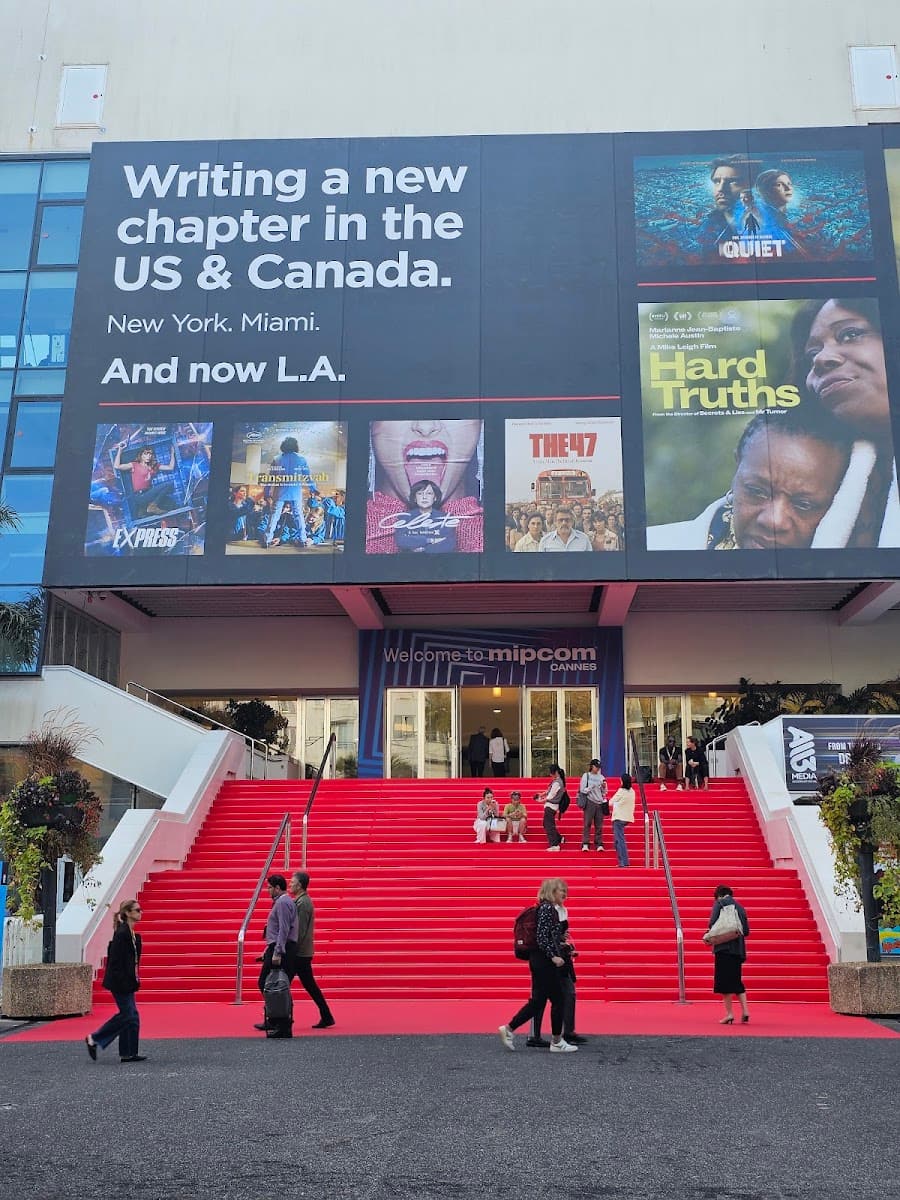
{"points": [[48, 907]]}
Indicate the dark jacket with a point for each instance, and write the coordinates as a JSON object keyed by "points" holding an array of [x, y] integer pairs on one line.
{"points": [[736, 945], [123, 956]]}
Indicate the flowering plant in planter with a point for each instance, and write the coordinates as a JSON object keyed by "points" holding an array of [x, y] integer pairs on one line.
{"points": [[53, 812]]}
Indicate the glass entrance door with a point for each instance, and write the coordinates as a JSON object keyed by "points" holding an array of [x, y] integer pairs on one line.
{"points": [[561, 727], [421, 737], [322, 716]]}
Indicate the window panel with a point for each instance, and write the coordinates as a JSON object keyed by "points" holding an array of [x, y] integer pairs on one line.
{"points": [[40, 383], [48, 319], [34, 441], [60, 236], [18, 197], [12, 296], [22, 550], [65, 180], [21, 655]]}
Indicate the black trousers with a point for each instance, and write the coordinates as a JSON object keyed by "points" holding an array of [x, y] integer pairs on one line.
{"points": [[554, 837], [476, 766], [304, 972], [567, 984], [546, 984]]}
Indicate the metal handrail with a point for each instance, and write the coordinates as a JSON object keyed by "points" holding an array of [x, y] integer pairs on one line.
{"points": [[193, 715], [285, 829], [636, 778], [312, 795], [659, 849]]}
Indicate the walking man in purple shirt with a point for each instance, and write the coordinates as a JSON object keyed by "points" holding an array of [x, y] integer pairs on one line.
{"points": [[281, 937]]}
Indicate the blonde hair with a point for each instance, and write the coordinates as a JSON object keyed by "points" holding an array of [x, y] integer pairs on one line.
{"points": [[548, 888], [122, 915]]}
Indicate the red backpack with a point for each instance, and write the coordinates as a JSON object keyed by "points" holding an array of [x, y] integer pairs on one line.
{"points": [[525, 932]]}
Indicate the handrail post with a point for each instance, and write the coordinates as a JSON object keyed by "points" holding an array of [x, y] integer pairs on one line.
{"points": [[305, 832], [682, 993], [655, 846], [239, 974], [283, 828], [646, 839], [660, 848], [287, 844]]}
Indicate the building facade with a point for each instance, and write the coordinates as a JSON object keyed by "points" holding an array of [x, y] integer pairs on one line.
{"points": [[376, 299]]}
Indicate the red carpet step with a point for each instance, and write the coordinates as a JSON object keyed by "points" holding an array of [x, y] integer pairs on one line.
{"points": [[409, 907]]}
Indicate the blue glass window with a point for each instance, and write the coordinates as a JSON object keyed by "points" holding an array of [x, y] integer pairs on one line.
{"points": [[34, 440], [65, 180], [22, 550], [40, 383], [16, 658], [48, 319], [60, 236], [18, 197], [12, 294]]}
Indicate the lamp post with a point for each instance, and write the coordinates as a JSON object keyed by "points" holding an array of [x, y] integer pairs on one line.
{"points": [[865, 859]]}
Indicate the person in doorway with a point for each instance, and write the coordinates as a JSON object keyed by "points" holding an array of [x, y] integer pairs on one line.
{"points": [[567, 979], [670, 765], [486, 813], [697, 765], [122, 978], [516, 817], [546, 962], [622, 814], [306, 926], [498, 752], [595, 806], [551, 799], [729, 958], [281, 943], [478, 752]]}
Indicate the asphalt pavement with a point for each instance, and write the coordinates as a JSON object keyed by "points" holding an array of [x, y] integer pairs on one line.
{"points": [[449, 1118]]}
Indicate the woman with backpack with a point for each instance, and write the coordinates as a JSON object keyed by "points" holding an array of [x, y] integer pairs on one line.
{"points": [[555, 800], [547, 960]]}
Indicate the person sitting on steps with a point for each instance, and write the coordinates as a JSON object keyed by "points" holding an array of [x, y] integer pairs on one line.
{"points": [[516, 817], [670, 768]]}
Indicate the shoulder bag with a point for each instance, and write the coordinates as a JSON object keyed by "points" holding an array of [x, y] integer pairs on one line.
{"points": [[727, 927]]}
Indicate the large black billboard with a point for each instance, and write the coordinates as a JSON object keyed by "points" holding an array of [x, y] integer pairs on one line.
{"points": [[308, 361]]}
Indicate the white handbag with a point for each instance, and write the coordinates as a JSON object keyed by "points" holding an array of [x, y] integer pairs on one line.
{"points": [[726, 928]]}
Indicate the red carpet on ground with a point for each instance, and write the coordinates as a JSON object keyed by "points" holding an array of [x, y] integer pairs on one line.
{"points": [[421, 1018]]}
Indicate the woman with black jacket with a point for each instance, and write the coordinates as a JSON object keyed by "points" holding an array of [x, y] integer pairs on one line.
{"points": [[729, 958], [122, 979]]}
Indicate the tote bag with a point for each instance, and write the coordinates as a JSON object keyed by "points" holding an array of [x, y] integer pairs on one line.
{"points": [[726, 928]]}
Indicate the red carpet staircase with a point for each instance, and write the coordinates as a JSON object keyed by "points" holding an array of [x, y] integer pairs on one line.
{"points": [[408, 906]]}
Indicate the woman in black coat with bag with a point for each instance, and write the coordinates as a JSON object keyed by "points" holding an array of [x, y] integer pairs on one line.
{"points": [[729, 958], [123, 980]]}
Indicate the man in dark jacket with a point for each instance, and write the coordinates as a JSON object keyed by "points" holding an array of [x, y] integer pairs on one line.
{"points": [[306, 924], [478, 752], [281, 940]]}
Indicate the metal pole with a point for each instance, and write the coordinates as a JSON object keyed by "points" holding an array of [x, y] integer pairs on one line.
{"points": [[655, 847], [239, 975], [682, 993], [48, 905], [865, 859], [305, 828], [646, 839], [287, 845]]}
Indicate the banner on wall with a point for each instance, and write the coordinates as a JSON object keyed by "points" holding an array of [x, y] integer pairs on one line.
{"points": [[564, 485], [288, 488], [815, 746], [767, 426], [734, 207], [411, 658], [148, 490]]}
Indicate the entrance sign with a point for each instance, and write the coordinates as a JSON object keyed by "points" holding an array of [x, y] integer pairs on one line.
{"points": [[418, 658], [459, 336]]}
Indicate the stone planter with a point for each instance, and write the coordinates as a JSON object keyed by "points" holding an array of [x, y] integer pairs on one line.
{"points": [[865, 989], [47, 990]]}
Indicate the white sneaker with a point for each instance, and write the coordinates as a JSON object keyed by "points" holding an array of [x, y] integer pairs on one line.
{"points": [[521, 839], [562, 1047], [506, 1037], [509, 839], [600, 849], [550, 849], [680, 788], [663, 788], [585, 847]]}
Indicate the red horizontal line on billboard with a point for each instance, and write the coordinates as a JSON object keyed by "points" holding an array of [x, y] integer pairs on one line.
{"points": [[325, 400], [759, 282]]}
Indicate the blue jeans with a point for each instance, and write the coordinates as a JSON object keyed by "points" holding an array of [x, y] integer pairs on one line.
{"points": [[619, 842], [125, 1025]]}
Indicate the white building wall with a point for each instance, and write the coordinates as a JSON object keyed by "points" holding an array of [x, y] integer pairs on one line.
{"points": [[317, 68], [681, 651]]}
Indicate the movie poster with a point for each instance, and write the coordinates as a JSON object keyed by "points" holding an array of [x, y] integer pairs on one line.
{"points": [[564, 485], [149, 487], [892, 165], [425, 487], [767, 426], [287, 490], [733, 208]]}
